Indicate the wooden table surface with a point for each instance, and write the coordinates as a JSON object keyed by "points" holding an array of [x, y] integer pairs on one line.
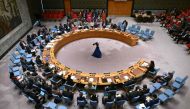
{"points": [[121, 76]]}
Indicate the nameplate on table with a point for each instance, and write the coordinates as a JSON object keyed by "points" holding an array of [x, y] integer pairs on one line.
{"points": [[91, 79], [51, 66], [145, 64], [61, 73], [73, 77], [126, 77], [142, 106], [109, 80]]}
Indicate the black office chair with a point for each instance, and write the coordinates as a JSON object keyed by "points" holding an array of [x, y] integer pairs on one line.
{"points": [[67, 100], [109, 105], [94, 104], [81, 103], [119, 104]]}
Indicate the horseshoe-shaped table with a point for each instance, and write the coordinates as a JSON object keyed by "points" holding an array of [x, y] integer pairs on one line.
{"points": [[136, 71]]}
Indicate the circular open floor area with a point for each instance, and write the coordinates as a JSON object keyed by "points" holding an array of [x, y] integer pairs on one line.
{"points": [[116, 55]]}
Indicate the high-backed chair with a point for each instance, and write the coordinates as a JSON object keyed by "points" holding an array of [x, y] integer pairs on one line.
{"points": [[15, 61], [20, 50], [67, 100], [81, 103], [109, 105], [178, 83], [94, 104], [151, 34], [16, 56], [120, 103]]}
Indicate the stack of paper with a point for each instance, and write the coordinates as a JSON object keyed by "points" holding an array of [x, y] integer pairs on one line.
{"points": [[91, 79], [109, 80], [126, 77], [51, 66], [145, 64], [73, 77]]}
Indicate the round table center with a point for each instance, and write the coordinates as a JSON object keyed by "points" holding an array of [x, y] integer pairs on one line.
{"points": [[116, 55]]}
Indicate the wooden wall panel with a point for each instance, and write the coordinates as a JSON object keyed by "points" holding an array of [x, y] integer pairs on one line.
{"points": [[120, 7], [161, 4], [67, 6]]}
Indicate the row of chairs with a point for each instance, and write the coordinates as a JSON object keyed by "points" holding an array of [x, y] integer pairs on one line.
{"points": [[53, 15], [167, 94], [94, 104], [175, 87], [146, 34]]}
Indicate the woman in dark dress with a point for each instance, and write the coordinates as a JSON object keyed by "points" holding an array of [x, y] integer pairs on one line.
{"points": [[97, 53]]}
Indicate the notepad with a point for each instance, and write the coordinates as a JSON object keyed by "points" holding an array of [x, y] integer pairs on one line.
{"points": [[51, 66], [91, 79], [61, 73], [49, 46], [126, 77], [59, 36], [145, 64], [52, 41], [73, 77], [109, 80], [33, 50], [142, 105]]}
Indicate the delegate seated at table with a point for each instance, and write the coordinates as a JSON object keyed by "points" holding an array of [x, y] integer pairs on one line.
{"points": [[47, 68], [119, 97], [39, 61], [94, 97], [163, 78], [145, 89], [68, 94], [107, 98], [81, 97], [151, 66], [151, 102], [110, 87], [70, 81]]}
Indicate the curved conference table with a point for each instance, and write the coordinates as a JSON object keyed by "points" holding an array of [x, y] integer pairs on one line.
{"points": [[135, 71]]}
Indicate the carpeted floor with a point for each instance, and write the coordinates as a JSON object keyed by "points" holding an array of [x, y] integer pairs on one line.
{"points": [[167, 55]]}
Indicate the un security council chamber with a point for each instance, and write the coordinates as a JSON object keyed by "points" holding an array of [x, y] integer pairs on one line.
{"points": [[94, 54]]}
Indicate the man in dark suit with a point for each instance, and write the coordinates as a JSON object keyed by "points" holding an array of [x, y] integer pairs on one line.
{"points": [[108, 98], [23, 45], [81, 98], [94, 97], [152, 102], [70, 81], [68, 94]]}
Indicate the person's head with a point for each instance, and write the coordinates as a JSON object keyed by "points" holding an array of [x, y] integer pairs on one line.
{"points": [[144, 86], [137, 87], [152, 62], [38, 57], [27, 73], [21, 58], [81, 94], [154, 96], [171, 73], [69, 77], [46, 64]]}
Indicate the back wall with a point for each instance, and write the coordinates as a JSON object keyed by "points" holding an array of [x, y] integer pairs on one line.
{"points": [[161, 4], [12, 37]]}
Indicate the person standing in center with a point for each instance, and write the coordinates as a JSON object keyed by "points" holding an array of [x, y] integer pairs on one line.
{"points": [[97, 53]]}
